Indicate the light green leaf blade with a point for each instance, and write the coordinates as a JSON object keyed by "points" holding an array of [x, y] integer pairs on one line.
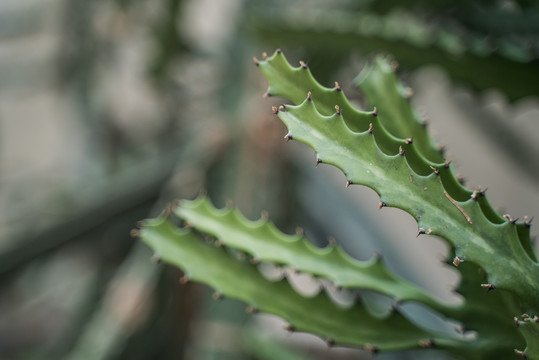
{"points": [[495, 247], [318, 315], [262, 240]]}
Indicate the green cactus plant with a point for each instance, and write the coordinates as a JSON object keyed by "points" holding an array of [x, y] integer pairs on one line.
{"points": [[387, 149]]}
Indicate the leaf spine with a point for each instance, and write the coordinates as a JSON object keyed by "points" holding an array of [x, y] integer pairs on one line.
{"points": [[303, 64], [489, 287], [337, 86], [371, 348], [141, 224], [218, 296], [251, 310], [330, 342], [332, 241], [408, 92], [442, 149], [521, 353], [510, 219], [457, 261], [426, 343], [289, 327]]}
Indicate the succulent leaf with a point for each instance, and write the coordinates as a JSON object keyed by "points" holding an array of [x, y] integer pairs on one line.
{"points": [[230, 277], [380, 85], [264, 242], [472, 228], [464, 224]]}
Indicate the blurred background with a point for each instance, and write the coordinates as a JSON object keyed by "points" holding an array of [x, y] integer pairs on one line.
{"points": [[110, 109]]}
